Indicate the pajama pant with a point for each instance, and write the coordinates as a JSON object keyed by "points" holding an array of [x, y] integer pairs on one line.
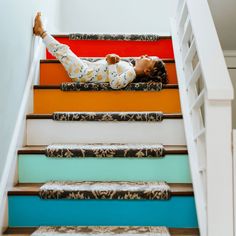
{"points": [[75, 67]]}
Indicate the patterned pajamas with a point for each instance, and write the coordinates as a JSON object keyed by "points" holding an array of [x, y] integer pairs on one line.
{"points": [[80, 70]]}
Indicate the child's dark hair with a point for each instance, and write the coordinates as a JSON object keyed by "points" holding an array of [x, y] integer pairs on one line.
{"points": [[157, 74]]}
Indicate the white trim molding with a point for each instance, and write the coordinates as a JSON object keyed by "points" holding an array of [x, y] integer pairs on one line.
{"points": [[230, 58], [10, 174]]}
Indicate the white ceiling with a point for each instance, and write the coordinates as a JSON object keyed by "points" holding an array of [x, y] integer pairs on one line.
{"points": [[224, 14]]}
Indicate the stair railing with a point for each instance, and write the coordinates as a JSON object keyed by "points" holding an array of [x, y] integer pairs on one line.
{"points": [[205, 92]]}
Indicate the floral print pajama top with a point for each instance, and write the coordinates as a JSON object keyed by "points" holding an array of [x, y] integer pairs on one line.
{"points": [[81, 70]]}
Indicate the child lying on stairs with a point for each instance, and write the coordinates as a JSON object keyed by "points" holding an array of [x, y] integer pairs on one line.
{"points": [[113, 70]]}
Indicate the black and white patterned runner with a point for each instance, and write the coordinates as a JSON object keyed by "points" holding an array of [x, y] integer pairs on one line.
{"points": [[105, 150], [105, 190]]}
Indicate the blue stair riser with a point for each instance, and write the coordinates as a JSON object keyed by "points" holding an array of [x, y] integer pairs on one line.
{"points": [[39, 169], [178, 212]]}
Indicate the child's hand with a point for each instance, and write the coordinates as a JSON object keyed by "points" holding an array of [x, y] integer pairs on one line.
{"points": [[112, 58]]}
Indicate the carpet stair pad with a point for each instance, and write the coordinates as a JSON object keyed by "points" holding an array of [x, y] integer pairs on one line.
{"points": [[108, 116], [86, 97], [105, 150], [121, 37], [125, 45], [105, 190], [43, 230], [103, 230], [105, 86], [52, 71]]}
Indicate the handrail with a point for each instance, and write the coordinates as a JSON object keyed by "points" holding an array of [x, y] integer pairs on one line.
{"points": [[206, 92]]}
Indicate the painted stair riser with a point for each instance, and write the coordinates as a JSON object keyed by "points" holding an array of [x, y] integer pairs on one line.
{"points": [[55, 74], [39, 169], [46, 132], [100, 48], [51, 100], [32, 211]]}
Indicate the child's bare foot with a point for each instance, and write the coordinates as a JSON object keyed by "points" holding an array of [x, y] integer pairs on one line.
{"points": [[38, 25]]}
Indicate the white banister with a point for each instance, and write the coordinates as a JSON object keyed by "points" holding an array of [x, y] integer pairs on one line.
{"points": [[190, 53], [195, 75], [210, 53], [198, 102], [187, 32], [183, 14], [206, 92], [199, 134]]}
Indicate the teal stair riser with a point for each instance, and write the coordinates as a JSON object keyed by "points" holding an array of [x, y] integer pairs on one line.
{"points": [[40, 169], [177, 212]]}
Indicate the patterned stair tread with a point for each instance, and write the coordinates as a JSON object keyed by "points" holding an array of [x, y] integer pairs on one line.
{"points": [[101, 150], [174, 149], [77, 86], [105, 190], [25, 231], [113, 36], [33, 189], [102, 230], [107, 116]]}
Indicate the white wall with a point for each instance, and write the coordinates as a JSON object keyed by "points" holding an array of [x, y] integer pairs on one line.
{"points": [[15, 43], [118, 16], [224, 15]]}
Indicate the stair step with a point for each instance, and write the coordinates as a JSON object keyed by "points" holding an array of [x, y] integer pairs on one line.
{"points": [[104, 86], [106, 116], [48, 99], [26, 208], [104, 150], [35, 167], [90, 45], [52, 71], [29, 230], [43, 130], [28, 189]]}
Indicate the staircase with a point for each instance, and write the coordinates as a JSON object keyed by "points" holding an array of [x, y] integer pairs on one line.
{"points": [[100, 161]]}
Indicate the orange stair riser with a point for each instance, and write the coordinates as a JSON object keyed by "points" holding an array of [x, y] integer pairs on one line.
{"points": [[55, 74], [99, 48], [51, 100]]}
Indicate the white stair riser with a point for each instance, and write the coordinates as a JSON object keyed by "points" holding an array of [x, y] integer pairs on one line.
{"points": [[45, 132]]}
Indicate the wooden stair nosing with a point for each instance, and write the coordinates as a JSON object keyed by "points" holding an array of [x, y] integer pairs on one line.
{"points": [[32, 189], [45, 61], [164, 86], [50, 116], [175, 149], [173, 231]]}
